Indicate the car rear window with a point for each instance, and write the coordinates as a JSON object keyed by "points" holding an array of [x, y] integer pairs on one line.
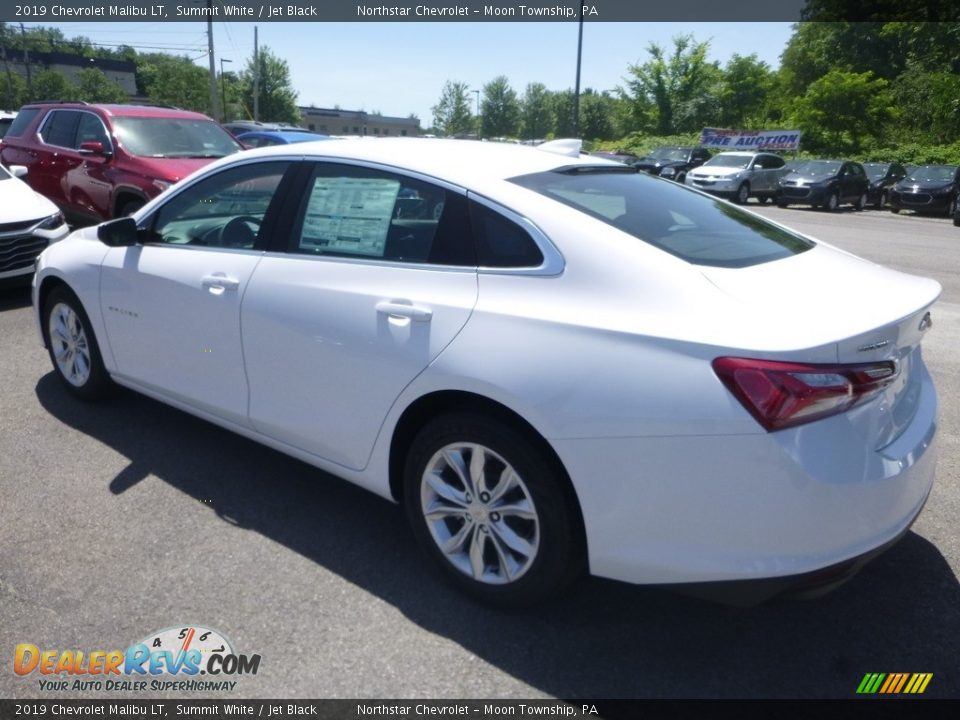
{"points": [[682, 222], [21, 121]]}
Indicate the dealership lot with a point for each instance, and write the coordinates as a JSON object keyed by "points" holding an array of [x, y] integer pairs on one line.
{"points": [[125, 519]]}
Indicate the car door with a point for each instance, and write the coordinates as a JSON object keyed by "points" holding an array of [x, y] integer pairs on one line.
{"points": [[171, 305], [377, 278], [88, 183], [56, 157]]}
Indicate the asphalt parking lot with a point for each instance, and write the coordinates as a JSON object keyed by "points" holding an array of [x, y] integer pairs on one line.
{"points": [[121, 519]]}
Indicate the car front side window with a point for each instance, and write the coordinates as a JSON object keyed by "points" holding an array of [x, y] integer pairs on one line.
{"points": [[226, 210]]}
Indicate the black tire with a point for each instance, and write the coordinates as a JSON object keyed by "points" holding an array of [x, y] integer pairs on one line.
{"points": [[130, 207], [743, 194], [69, 335], [952, 208], [557, 554], [881, 201], [763, 199], [956, 219], [861, 202], [833, 202], [782, 204], [895, 211], [681, 178]]}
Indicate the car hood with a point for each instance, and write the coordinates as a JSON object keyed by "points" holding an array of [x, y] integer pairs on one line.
{"points": [[821, 297], [927, 185], [715, 171], [806, 179], [171, 169], [19, 203]]}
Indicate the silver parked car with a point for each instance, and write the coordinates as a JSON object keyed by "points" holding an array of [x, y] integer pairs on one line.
{"points": [[739, 175]]}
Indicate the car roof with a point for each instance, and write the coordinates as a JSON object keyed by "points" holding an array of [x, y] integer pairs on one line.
{"points": [[125, 110], [462, 162]]}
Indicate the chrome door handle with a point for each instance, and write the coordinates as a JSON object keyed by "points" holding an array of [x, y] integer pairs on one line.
{"points": [[404, 310], [220, 281]]}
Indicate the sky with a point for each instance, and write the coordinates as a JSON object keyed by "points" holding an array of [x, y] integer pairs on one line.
{"points": [[400, 68]]}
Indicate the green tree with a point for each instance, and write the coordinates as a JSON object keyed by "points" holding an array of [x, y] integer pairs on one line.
{"points": [[536, 115], [929, 104], [675, 92], [562, 104], [174, 80], [451, 114], [96, 87], [278, 99], [596, 115], [841, 109], [500, 109], [744, 92], [52, 85]]}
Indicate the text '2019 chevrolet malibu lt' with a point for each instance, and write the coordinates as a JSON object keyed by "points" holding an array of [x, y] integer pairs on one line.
{"points": [[556, 363]]}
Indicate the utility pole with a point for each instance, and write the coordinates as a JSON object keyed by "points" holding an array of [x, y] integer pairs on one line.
{"points": [[214, 95], [576, 92], [223, 88], [26, 63], [256, 77]]}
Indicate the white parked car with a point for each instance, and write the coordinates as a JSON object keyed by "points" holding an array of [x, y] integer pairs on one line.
{"points": [[555, 363], [28, 224], [740, 175]]}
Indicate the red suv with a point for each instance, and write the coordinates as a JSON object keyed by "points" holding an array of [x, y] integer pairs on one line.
{"points": [[98, 162]]}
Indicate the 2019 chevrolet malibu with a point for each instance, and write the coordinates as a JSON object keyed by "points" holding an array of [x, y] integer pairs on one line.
{"points": [[556, 363]]}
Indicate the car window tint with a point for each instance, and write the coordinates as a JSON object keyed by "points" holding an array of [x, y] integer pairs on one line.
{"points": [[500, 241], [60, 128], [90, 129], [21, 122], [360, 212], [224, 210], [773, 161], [696, 228]]}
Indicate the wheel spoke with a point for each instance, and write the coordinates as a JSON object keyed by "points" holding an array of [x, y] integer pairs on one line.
{"points": [[512, 540], [476, 554], [459, 538], [442, 512], [521, 509], [506, 563], [507, 481], [478, 461], [454, 459], [444, 490]]}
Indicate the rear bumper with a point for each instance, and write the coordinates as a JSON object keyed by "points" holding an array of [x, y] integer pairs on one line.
{"points": [[782, 505]]}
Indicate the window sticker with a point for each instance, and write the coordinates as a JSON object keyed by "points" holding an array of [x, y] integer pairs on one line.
{"points": [[349, 215]]}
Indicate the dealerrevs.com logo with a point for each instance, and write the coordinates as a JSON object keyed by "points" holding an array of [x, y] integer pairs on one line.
{"points": [[171, 659]]}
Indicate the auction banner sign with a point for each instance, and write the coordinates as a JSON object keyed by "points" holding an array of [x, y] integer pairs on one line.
{"points": [[750, 139]]}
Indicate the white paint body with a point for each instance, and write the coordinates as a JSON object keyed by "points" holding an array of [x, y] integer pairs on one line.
{"points": [[19, 204], [609, 360]]}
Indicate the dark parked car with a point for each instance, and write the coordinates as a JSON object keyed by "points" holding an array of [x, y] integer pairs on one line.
{"points": [[927, 189], [673, 162], [882, 176], [620, 157], [824, 183], [98, 162]]}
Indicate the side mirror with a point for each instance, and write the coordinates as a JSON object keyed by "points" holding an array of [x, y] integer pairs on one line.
{"points": [[19, 171], [121, 232], [94, 147]]}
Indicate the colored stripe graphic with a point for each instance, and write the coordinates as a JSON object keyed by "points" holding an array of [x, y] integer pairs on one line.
{"points": [[894, 683]]}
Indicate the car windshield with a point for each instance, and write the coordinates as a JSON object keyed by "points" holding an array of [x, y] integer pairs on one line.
{"points": [[876, 171], [4, 175], [730, 161], [668, 154], [691, 226], [163, 137], [817, 168], [933, 173]]}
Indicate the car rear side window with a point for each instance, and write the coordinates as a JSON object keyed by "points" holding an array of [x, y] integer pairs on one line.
{"points": [[352, 211], [21, 122], [60, 128], [502, 243], [698, 229]]}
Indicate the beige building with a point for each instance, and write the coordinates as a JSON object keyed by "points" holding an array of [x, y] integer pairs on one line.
{"points": [[332, 121]]}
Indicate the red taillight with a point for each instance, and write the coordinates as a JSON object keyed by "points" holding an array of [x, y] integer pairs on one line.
{"points": [[784, 394]]}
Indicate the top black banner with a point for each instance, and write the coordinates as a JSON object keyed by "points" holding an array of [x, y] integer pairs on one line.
{"points": [[65, 11]]}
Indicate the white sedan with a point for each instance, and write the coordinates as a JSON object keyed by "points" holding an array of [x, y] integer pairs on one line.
{"points": [[28, 224], [555, 363]]}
